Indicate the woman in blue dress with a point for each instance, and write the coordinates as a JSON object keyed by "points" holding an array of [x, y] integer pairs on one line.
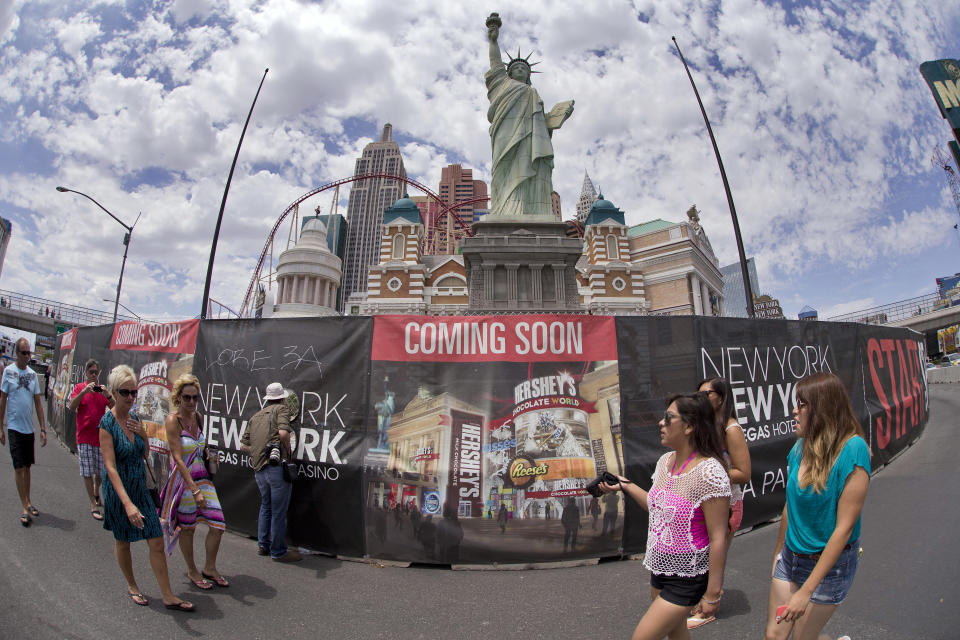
{"points": [[129, 511]]}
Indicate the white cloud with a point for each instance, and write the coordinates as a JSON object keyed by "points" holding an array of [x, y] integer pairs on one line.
{"points": [[816, 116]]}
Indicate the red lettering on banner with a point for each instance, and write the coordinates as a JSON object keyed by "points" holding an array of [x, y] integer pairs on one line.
{"points": [[533, 338], [165, 337], [68, 340], [903, 399]]}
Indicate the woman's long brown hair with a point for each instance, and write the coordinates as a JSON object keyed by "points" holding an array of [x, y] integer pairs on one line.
{"points": [[830, 423]]}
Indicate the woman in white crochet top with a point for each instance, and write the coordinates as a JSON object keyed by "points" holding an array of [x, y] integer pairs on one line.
{"points": [[689, 506]]}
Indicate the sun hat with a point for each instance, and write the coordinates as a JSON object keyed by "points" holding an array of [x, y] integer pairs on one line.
{"points": [[275, 391]]}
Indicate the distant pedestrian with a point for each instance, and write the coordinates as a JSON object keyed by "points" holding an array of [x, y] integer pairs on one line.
{"points": [[818, 549], [19, 397], [427, 537], [611, 503], [414, 519], [594, 512], [189, 497], [129, 512], [502, 518], [380, 524], [570, 519], [268, 426], [449, 536], [90, 400]]}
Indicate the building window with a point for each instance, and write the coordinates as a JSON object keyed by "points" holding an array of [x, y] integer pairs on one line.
{"points": [[394, 284], [675, 233], [398, 248], [612, 252], [619, 283]]}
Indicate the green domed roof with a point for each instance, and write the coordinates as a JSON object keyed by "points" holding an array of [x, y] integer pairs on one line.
{"points": [[603, 210], [404, 208]]}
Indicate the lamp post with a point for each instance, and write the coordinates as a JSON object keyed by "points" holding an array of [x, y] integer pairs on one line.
{"points": [[128, 309], [126, 241]]}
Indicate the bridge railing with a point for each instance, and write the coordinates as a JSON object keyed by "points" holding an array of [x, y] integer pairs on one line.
{"points": [[893, 311], [55, 310]]}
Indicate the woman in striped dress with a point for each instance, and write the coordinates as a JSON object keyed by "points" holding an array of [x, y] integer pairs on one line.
{"points": [[189, 496]]}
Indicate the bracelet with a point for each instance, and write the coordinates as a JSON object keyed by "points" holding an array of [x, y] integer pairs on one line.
{"points": [[196, 492], [711, 602]]}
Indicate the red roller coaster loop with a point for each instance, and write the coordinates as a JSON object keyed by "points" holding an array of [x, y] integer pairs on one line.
{"points": [[445, 210]]}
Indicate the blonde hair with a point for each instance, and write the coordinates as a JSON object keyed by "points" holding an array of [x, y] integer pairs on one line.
{"points": [[119, 376], [185, 380], [830, 423]]}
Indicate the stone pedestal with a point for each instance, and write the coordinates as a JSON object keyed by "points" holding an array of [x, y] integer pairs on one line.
{"points": [[519, 265]]}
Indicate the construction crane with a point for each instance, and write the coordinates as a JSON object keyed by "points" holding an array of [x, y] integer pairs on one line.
{"points": [[940, 159]]}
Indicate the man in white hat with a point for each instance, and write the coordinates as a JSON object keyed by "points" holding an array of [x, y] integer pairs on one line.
{"points": [[268, 429]]}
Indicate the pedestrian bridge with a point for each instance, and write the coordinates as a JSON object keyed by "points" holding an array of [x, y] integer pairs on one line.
{"points": [[46, 317]]}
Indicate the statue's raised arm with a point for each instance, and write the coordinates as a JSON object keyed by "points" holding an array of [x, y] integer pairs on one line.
{"points": [[493, 34], [521, 182]]}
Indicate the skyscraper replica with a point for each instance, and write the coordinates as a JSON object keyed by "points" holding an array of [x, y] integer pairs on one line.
{"points": [[368, 200], [457, 185], [588, 196]]}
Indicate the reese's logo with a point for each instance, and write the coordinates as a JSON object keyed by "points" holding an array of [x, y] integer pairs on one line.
{"points": [[523, 471]]}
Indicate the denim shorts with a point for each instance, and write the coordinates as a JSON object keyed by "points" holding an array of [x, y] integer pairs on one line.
{"points": [[833, 589]]}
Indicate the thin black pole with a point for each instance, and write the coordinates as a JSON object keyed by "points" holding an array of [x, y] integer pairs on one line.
{"points": [[223, 203], [748, 288]]}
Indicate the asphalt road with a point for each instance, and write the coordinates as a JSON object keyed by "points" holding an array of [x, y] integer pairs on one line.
{"points": [[59, 578]]}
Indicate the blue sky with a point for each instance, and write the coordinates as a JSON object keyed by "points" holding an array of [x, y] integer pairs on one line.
{"points": [[824, 122]]}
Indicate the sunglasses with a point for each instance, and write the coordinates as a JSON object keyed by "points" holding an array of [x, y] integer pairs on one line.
{"points": [[801, 404], [189, 397], [25, 353], [127, 393], [668, 417]]}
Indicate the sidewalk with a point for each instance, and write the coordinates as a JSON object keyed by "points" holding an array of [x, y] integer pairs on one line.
{"points": [[60, 579]]}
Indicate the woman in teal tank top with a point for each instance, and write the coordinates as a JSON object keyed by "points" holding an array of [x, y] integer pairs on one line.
{"points": [[828, 472]]}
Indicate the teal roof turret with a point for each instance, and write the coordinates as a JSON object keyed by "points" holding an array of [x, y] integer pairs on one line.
{"points": [[405, 209], [603, 210]]}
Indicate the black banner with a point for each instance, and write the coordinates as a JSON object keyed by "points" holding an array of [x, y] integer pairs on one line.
{"points": [[499, 421], [325, 364]]}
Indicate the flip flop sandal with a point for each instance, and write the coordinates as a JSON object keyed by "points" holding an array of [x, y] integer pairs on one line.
{"points": [[199, 584], [220, 582], [695, 622], [25, 519], [139, 599], [33, 511], [96, 514], [183, 606]]}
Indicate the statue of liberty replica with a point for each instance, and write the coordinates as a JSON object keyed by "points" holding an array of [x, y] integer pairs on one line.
{"points": [[520, 258], [520, 134]]}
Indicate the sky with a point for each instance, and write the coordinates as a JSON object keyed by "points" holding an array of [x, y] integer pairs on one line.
{"points": [[824, 123]]}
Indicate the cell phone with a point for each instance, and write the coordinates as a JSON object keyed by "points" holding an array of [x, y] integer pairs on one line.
{"points": [[782, 609]]}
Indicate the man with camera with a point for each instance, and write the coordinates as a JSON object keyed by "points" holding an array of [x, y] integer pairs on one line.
{"points": [[90, 401], [267, 441]]}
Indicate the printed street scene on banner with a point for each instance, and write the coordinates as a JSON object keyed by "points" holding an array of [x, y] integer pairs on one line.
{"points": [[487, 431]]}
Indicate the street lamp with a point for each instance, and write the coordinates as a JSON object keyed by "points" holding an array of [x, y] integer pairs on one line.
{"points": [[128, 309], [126, 241]]}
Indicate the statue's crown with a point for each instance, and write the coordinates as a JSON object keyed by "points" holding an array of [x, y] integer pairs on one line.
{"points": [[523, 61]]}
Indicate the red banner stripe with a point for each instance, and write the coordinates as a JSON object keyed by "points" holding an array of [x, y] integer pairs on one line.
{"points": [[529, 338]]}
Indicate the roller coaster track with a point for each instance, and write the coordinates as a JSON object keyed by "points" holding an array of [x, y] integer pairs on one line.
{"points": [[247, 307]]}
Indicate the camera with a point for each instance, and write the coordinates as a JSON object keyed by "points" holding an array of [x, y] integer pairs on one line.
{"points": [[594, 487], [98, 389], [273, 453]]}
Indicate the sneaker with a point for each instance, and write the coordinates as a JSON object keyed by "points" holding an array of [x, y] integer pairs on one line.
{"points": [[262, 552], [289, 556]]}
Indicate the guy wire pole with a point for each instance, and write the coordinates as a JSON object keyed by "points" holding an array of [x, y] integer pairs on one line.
{"points": [[223, 203], [748, 288]]}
